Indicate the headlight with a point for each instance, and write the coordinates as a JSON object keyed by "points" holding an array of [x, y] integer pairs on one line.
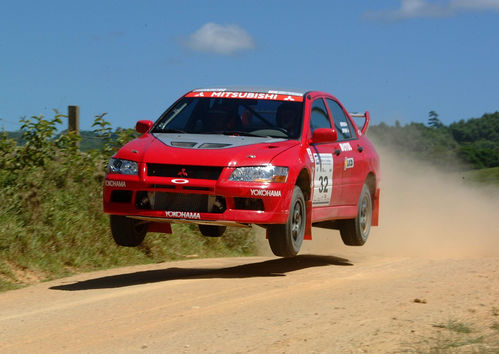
{"points": [[263, 174], [123, 167]]}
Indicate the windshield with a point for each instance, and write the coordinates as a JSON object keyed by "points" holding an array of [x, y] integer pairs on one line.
{"points": [[251, 117]]}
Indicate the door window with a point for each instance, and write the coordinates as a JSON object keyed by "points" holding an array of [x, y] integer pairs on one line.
{"points": [[319, 117], [341, 122]]}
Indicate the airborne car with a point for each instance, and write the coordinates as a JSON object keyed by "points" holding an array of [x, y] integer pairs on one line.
{"points": [[219, 157]]}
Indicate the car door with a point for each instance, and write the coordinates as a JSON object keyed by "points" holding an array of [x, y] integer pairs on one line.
{"points": [[326, 187], [350, 153]]}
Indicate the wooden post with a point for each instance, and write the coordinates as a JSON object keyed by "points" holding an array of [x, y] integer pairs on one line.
{"points": [[74, 119]]}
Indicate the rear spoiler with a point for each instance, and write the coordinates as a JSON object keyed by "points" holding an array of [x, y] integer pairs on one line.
{"points": [[365, 116]]}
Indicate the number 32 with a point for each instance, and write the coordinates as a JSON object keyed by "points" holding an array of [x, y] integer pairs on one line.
{"points": [[324, 183]]}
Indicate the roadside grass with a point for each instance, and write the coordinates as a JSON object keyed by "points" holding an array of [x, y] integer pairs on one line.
{"points": [[51, 231], [456, 336], [455, 326]]}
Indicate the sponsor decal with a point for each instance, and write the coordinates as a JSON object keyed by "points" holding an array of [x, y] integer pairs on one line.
{"points": [[180, 181], [265, 96], [265, 193], [343, 124], [345, 130], [248, 95], [310, 155], [111, 183], [345, 147], [323, 179], [182, 215], [349, 162]]}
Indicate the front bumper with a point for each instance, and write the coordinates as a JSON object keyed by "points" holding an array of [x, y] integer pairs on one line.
{"points": [[198, 201]]}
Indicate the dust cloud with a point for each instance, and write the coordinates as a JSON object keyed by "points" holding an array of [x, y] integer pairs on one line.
{"points": [[423, 213]]}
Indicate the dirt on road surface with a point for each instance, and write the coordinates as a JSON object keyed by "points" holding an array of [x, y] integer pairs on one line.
{"points": [[426, 281]]}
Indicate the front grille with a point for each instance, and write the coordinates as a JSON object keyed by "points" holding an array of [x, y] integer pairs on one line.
{"points": [[199, 203], [183, 171]]}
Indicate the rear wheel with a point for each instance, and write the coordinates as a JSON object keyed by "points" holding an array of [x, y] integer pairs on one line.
{"points": [[285, 240], [212, 230], [128, 232], [354, 232]]}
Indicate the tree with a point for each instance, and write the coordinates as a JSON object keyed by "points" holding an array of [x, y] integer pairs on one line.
{"points": [[433, 120]]}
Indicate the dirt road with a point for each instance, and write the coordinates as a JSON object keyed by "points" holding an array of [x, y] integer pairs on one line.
{"points": [[342, 303], [428, 279]]}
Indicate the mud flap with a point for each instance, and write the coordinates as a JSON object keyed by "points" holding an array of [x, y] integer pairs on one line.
{"points": [[375, 216], [308, 224], [162, 227]]}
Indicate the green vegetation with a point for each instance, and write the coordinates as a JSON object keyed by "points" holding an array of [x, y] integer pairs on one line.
{"points": [[472, 144], [455, 326], [483, 176], [454, 336], [51, 209]]}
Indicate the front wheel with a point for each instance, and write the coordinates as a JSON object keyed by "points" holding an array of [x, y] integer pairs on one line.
{"points": [[126, 231], [354, 232], [285, 240]]}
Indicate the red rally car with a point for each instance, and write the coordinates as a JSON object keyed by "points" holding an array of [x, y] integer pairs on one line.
{"points": [[219, 157]]}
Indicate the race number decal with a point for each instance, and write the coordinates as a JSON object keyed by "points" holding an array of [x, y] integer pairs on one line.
{"points": [[323, 179]]}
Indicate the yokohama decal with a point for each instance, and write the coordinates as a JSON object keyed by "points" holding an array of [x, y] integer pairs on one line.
{"points": [[182, 215], [265, 193], [248, 95], [111, 183]]}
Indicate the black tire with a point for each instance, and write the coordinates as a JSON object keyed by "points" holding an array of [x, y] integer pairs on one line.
{"points": [[212, 230], [354, 232], [126, 231], [285, 240]]}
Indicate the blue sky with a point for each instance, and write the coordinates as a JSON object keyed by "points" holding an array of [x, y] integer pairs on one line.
{"points": [[132, 59]]}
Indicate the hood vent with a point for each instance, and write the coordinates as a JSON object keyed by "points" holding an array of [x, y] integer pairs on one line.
{"points": [[213, 146], [183, 144]]}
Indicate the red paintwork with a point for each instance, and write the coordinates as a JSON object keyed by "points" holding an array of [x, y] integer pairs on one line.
{"points": [[346, 185], [324, 135], [143, 126]]}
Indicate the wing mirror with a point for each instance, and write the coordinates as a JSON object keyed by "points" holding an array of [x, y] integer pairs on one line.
{"points": [[324, 135], [143, 126]]}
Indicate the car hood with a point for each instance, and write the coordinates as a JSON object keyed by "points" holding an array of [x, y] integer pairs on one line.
{"points": [[204, 149]]}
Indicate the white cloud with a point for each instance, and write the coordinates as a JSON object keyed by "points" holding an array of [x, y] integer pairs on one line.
{"points": [[218, 39], [425, 8]]}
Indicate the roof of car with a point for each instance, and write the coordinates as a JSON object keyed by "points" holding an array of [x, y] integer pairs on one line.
{"points": [[284, 91]]}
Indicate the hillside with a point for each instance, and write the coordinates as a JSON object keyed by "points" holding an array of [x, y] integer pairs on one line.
{"points": [[467, 144]]}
